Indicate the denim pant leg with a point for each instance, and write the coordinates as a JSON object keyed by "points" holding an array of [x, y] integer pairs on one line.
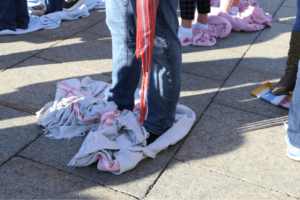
{"points": [[22, 15], [7, 15], [53, 5], [294, 115], [126, 68], [297, 23], [165, 75]]}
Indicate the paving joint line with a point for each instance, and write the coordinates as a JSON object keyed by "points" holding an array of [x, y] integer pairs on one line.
{"points": [[15, 108], [243, 110], [61, 170], [16, 154], [59, 41], [233, 177]]}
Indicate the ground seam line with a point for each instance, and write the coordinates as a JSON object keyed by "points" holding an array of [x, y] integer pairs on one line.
{"points": [[230, 176], [78, 176], [59, 41], [16, 154]]}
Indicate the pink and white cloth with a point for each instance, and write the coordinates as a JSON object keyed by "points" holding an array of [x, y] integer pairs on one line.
{"points": [[250, 18], [115, 139]]}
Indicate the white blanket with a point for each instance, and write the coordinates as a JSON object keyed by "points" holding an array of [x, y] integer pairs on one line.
{"points": [[53, 20], [115, 140]]}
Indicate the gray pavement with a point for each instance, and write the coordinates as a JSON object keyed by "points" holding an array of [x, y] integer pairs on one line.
{"points": [[236, 149]]}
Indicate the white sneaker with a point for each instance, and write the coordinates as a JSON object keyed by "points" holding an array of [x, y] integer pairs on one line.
{"points": [[291, 151]]}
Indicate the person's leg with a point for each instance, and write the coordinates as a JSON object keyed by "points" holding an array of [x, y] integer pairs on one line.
{"points": [[187, 11], [126, 67], [203, 7], [225, 5], [54, 6], [293, 140], [288, 81], [165, 74], [22, 15], [7, 15]]}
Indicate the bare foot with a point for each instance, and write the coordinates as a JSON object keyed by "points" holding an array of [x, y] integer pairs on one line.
{"points": [[39, 13], [38, 7]]}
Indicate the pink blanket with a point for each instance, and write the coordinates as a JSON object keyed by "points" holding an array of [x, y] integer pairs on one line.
{"points": [[250, 18]]}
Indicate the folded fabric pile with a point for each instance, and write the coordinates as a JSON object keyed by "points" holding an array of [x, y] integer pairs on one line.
{"points": [[115, 139], [53, 20], [264, 93], [250, 18]]}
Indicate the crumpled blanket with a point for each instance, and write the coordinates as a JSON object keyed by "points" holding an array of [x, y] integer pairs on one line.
{"points": [[250, 18], [115, 140], [53, 20]]}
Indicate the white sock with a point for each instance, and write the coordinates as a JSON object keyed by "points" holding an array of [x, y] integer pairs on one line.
{"points": [[198, 24], [185, 32], [234, 10]]}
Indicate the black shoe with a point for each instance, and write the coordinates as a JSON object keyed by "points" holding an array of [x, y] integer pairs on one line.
{"points": [[70, 5]]}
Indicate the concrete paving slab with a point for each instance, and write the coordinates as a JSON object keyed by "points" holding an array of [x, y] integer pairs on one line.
{"points": [[17, 129], [243, 145], [58, 153], [236, 92], [266, 57], [85, 50], [270, 6], [16, 48], [38, 85], [66, 29], [98, 14], [197, 92], [279, 34], [239, 41], [290, 3], [186, 181], [23, 179], [100, 28], [286, 15], [210, 62]]}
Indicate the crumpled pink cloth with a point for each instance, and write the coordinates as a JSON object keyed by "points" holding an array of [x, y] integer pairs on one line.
{"points": [[250, 18], [218, 27], [201, 37]]}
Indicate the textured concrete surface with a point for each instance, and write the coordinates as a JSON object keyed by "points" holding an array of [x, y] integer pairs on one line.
{"points": [[236, 149], [186, 181], [23, 179], [242, 140], [135, 182], [286, 15], [279, 35], [85, 50], [236, 92], [266, 57], [17, 129], [211, 62], [39, 86], [15, 49]]}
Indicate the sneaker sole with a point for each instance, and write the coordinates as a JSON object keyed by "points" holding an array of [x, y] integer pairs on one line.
{"points": [[77, 5], [287, 154]]}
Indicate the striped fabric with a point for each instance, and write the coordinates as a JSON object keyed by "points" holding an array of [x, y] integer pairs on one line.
{"points": [[146, 15], [264, 93]]}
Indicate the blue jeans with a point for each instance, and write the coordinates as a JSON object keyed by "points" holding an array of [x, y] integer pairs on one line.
{"points": [[53, 5], [297, 23], [13, 14], [165, 74], [294, 112]]}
